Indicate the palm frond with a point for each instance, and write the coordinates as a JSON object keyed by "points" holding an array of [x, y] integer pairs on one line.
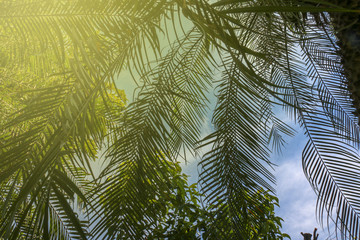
{"points": [[330, 158], [60, 226], [78, 48], [326, 72], [238, 165], [165, 117], [119, 31], [62, 130]]}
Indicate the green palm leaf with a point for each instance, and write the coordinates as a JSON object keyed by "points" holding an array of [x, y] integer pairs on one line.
{"points": [[165, 117], [330, 158], [79, 48]]}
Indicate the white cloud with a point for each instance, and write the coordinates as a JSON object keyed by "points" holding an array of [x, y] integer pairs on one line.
{"points": [[297, 198]]}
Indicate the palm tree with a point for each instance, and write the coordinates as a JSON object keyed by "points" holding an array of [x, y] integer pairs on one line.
{"points": [[172, 49], [346, 28]]}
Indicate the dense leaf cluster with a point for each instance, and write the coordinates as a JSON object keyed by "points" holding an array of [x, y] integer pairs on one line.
{"points": [[62, 65]]}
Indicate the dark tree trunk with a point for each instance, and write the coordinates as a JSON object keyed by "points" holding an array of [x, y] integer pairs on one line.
{"points": [[347, 31]]}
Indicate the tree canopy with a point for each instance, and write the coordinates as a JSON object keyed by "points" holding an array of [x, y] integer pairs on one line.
{"points": [[62, 111]]}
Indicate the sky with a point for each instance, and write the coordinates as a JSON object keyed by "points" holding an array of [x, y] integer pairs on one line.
{"points": [[296, 197]]}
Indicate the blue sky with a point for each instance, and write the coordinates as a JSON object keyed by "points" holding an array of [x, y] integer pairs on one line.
{"points": [[296, 197]]}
